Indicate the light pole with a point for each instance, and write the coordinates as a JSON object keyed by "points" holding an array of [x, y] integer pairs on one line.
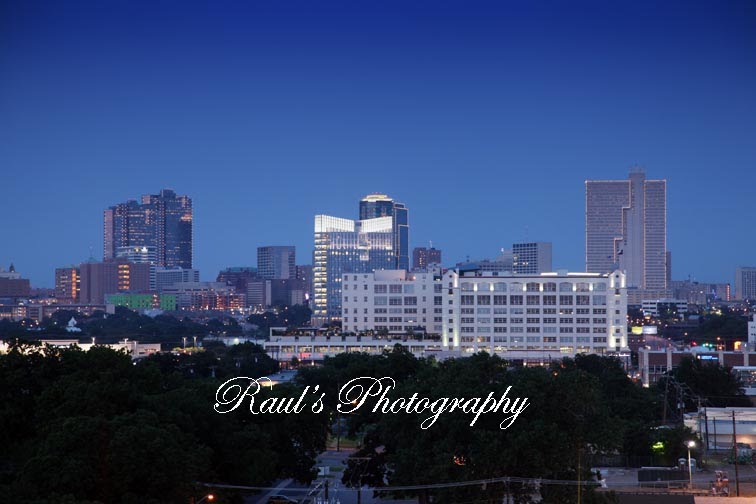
{"points": [[691, 444]]}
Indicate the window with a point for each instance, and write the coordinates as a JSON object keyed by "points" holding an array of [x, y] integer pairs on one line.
{"points": [[583, 300], [532, 287], [500, 300], [380, 289], [484, 300], [582, 287], [466, 300], [395, 289], [515, 300], [515, 287], [565, 300], [466, 287], [549, 300], [533, 320], [484, 287], [410, 300], [599, 300], [565, 287], [500, 287], [533, 300], [395, 301], [500, 320], [549, 287]]}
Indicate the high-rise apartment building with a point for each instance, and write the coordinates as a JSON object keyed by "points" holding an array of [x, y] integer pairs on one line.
{"points": [[423, 257], [374, 206], [531, 258], [745, 283], [626, 228], [67, 284], [276, 262], [161, 221], [347, 246]]}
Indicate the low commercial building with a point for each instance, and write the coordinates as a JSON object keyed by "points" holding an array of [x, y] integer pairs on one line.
{"points": [[653, 364], [657, 307], [135, 349], [715, 427], [165, 302]]}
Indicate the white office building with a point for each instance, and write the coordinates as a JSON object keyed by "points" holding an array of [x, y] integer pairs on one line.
{"points": [[392, 302], [518, 316], [555, 313]]}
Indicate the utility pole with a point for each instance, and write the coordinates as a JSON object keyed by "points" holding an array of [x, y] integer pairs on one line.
{"points": [[735, 456]]}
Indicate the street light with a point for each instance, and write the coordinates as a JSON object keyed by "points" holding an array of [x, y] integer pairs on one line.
{"points": [[208, 497], [691, 444]]}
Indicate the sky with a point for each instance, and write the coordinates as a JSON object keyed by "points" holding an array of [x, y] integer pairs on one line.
{"points": [[484, 118]]}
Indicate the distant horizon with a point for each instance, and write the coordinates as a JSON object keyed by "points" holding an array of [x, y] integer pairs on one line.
{"points": [[484, 118]]}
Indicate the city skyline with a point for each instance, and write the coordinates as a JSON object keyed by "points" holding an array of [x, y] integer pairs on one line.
{"points": [[486, 126]]}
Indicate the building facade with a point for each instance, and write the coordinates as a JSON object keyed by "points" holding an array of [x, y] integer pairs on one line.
{"points": [[110, 277], [392, 302], [166, 277], [276, 262], [471, 310], [531, 258], [626, 228], [423, 258], [67, 284], [374, 206], [557, 313], [346, 246], [161, 221], [745, 283]]}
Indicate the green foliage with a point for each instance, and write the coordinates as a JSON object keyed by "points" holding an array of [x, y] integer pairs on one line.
{"points": [[581, 408], [714, 385], [94, 427]]}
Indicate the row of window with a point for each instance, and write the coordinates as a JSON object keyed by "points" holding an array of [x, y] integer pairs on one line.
{"points": [[532, 287]]}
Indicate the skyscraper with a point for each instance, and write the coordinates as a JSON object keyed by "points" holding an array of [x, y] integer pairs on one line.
{"points": [[422, 257], [531, 258], [347, 246], [373, 206], [162, 222], [745, 283], [626, 227], [276, 262]]}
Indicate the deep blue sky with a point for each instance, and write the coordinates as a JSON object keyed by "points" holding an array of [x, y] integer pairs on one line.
{"points": [[484, 118]]}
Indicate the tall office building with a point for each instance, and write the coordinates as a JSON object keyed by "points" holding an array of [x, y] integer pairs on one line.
{"points": [[531, 258], [67, 283], [745, 283], [626, 227], [276, 262], [423, 257], [162, 222], [374, 206], [347, 246]]}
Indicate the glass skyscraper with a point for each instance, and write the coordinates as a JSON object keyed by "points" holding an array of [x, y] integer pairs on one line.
{"points": [[162, 222], [347, 246], [380, 205], [626, 227]]}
